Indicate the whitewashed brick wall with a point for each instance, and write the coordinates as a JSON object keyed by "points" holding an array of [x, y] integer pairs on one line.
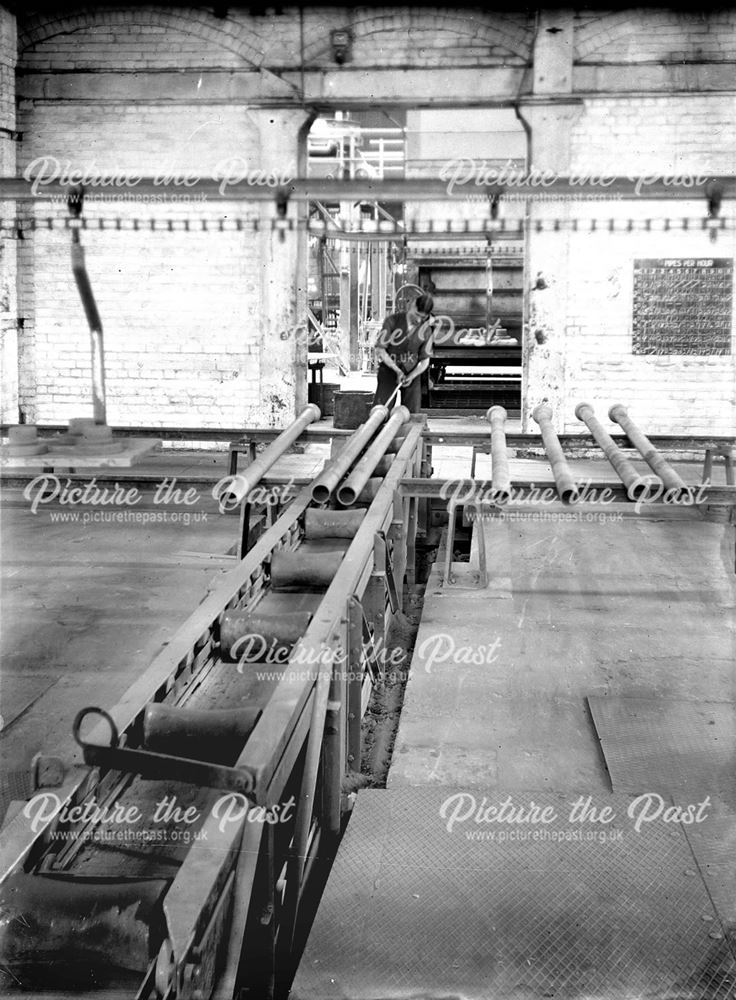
{"points": [[656, 36], [666, 394], [664, 135], [657, 136], [8, 305], [152, 37], [178, 308], [181, 312]]}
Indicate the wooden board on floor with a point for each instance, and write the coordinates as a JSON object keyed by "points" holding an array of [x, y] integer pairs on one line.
{"points": [[69, 458]]}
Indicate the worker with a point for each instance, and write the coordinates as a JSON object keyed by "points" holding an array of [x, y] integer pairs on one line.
{"points": [[403, 352]]}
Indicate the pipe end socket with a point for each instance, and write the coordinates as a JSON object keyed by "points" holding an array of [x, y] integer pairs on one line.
{"points": [[346, 496], [617, 413], [542, 412], [583, 410], [320, 493]]}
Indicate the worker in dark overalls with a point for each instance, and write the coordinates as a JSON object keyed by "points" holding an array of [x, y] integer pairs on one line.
{"points": [[403, 352]]}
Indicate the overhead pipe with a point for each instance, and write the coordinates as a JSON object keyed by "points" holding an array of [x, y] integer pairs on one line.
{"points": [[325, 484], [500, 479], [353, 486], [238, 487], [566, 485], [674, 484], [637, 487], [321, 189]]}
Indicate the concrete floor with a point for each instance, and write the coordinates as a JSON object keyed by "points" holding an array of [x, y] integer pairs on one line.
{"points": [[86, 606], [638, 607], [431, 895]]}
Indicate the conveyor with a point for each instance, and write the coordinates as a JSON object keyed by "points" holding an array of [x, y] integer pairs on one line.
{"points": [[185, 842]]}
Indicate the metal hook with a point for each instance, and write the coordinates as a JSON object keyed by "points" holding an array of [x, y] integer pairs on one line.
{"points": [[281, 223], [714, 194]]}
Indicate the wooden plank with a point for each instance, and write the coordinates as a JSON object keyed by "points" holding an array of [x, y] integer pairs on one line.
{"points": [[70, 458]]}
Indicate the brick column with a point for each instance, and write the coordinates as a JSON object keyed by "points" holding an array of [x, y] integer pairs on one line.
{"points": [[549, 115], [283, 257], [8, 243]]}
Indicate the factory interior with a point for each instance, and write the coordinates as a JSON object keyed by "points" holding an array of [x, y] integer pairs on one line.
{"points": [[367, 502]]}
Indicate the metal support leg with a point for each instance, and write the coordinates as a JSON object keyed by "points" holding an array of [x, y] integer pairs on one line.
{"points": [[244, 530], [354, 683], [708, 465], [448, 578], [482, 562]]}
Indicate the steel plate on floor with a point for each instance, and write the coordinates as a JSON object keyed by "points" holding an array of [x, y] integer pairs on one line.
{"points": [[421, 905], [654, 744]]}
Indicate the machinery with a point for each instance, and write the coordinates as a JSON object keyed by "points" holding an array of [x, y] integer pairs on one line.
{"points": [[478, 294], [174, 858]]}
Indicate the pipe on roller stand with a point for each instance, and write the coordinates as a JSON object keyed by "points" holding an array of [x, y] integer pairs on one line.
{"points": [[674, 485], [637, 487], [326, 482], [353, 486], [500, 479], [566, 486], [240, 486]]}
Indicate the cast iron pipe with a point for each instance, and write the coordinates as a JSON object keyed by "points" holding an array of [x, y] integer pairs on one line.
{"points": [[351, 489], [672, 482], [327, 481], [239, 487], [370, 491], [500, 479], [637, 487], [566, 485]]}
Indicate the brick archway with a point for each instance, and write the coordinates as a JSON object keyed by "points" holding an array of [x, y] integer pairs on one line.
{"points": [[223, 33], [503, 32], [607, 30]]}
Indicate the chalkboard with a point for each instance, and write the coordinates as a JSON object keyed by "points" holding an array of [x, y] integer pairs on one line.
{"points": [[683, 306]]}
